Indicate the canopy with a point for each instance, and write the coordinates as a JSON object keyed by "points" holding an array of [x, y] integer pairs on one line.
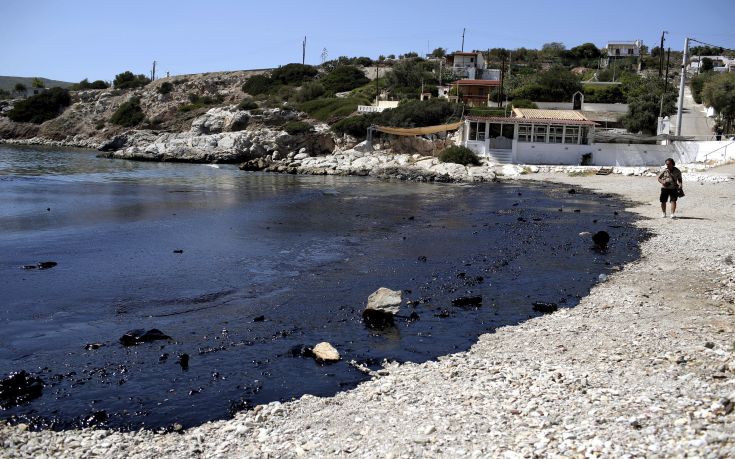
{"points": [[419, 130]]}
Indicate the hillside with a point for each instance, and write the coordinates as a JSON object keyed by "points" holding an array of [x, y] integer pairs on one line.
{"points": [[8, 82]]}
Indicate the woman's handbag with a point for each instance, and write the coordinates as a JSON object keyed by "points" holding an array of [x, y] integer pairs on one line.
{"points": [[680, 193]]}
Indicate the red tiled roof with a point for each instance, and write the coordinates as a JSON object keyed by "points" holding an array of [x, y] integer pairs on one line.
{"points": [[477, 82], [514, 120]]}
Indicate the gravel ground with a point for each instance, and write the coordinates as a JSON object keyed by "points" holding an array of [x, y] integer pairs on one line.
{"points": [[643, 366]]}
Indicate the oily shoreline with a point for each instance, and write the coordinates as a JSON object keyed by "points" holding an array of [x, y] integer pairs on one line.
{"points": [[643, 366]]}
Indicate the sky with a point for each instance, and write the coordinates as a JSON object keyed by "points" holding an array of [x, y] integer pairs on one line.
{"points": [[75, 39]]}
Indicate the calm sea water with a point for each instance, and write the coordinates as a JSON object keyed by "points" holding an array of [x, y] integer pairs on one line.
{"points": [[302, 252]]}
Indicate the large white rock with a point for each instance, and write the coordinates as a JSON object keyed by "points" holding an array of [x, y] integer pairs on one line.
{"points": [[325, 352], [385, 300]]}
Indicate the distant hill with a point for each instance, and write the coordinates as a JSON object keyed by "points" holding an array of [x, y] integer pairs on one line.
{"points": [[8, 82]]}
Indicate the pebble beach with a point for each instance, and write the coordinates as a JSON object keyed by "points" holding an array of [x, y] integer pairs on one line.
{"points": [[643, 366]]}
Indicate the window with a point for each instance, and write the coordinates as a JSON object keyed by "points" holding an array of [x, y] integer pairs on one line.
{"points": [[556, 134], [571, 134], [585, 136], [539, 133], [508, 131], [617, 51], [524, 132], [494, 130], [630, 51], [477, 131]]}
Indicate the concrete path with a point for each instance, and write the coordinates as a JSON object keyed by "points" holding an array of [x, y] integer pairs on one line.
{"points": [[694, 119]]}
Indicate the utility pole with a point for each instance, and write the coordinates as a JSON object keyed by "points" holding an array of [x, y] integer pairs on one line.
{"points": [[661, 55], [153, 71], [666, 83], [682, 82], [463, 29], [502, 76], [303, 51]]}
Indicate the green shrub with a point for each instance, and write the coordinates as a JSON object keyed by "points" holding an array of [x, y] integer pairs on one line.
{"points": [[459, 155], [330, 107], [523, 103], [85, 84], [344, 78], [415, 113], [127, 80], [41, 107], [4, 94], [293, 74], [165, 88], [309, 91], [297, 127], [357, 125], [128, 114], [612, 94], [247, 104], [257, 84], [196, 101]]}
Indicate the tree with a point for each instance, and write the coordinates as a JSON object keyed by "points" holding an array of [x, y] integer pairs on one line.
{"points": [[439, 52], [554, 85], [38, 83], [719, 93], [20, 87], [344, 78], [645, 97], [41, 107], [127, 80], [407, 76], [707, 65], [552, 50]]}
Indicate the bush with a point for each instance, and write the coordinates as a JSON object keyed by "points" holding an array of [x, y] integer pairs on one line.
{"points": [[247, 104], [41, 107], [196, 101], [293, 74], [127, 80], [297, 127], [310, 91], [344, 78], [165, 88], [523, 103], [323, 109], [459, 155], [257, 84], [85, 84], [421, 113], [357, 125], [128, 114], [612, 94]]}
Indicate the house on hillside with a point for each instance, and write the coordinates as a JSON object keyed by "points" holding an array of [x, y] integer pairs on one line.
{"points": [[471, 66], [473, 93], [622, 50], [530, 136], [722, 64]]}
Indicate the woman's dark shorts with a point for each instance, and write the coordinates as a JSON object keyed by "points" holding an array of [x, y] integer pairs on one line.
{"points": [[669, 194]]}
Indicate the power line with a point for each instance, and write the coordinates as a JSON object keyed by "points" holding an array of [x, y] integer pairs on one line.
{"points": [[711, 45]]}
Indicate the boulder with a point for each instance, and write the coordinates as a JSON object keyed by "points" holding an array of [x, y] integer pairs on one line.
{"points": [[385, 300], [325, 352]]}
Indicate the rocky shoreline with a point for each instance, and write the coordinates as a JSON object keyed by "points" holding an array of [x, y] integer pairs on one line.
{"points": [[643, 366]]}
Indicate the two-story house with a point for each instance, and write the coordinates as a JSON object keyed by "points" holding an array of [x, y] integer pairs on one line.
{"points": [[475, 82]]}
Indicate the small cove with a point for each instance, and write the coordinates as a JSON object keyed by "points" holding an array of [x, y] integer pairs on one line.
{"points": [[302, 252]]}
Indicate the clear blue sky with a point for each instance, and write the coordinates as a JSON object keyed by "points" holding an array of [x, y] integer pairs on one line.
{"points": [[75, 39]]}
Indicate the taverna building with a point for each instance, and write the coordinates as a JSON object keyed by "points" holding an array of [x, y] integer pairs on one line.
{"points": [[531, 136]]}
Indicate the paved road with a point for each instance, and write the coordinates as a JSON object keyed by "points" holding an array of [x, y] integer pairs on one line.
{"points": [[694, 119]]}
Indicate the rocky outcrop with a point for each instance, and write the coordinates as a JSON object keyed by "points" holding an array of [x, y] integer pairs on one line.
{"points": [[379, 163]]}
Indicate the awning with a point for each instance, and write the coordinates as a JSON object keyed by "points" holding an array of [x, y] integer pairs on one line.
{"points": [[419, 130]]}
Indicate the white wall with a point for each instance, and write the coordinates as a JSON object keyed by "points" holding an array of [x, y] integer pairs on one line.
{"points": [[618, 154], [550, 153], [723, 150]]}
